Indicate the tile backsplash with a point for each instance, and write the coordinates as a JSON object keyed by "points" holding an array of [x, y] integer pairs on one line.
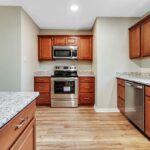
{"points": [[81, 65]]}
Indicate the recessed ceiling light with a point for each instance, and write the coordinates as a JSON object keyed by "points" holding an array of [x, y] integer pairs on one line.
{"points": [[74, 8]]}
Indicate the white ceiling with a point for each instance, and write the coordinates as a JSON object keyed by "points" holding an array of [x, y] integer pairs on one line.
{"points": [[56, 14]]}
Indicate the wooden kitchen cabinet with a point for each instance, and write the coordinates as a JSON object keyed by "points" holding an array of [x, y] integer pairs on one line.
{"points": [[59, 41], [134, 39], [43, 85], [139, 38], [145, 38], [44, 48], [72, 41], [19, 132], [121, 95], [27, 139], [147, 116], [86, 90], [85, 48], [147, 111], [83, 42]]}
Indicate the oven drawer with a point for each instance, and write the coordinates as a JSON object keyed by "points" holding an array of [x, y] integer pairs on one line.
{"points": [[86, 87], [86, 98], [42, 79], [42, 87], [16, 126]]}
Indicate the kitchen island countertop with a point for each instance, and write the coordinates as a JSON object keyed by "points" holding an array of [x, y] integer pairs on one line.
{"points": [[11, 103]]}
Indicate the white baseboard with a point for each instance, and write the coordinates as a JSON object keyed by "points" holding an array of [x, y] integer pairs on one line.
{"points": [[105, 109]]}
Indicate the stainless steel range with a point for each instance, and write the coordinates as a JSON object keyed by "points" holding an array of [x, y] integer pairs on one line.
{"points": [[64, 87]]}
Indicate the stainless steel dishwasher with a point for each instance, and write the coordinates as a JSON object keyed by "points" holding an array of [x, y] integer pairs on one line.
{"points": [[134, 103]]}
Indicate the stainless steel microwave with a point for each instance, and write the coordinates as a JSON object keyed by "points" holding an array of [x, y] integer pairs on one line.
{"points": [[65, 52]]}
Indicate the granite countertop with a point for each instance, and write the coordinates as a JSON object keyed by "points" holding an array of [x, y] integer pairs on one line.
{"points": [[45, 73], [143, 78], [50, 73], [86, 73], [11, 103]]}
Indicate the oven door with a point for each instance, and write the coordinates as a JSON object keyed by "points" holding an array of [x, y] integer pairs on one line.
{"points": [[64, 88]]}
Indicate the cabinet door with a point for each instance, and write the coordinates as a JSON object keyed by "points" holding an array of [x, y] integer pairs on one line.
{"points": [[45, 48], [86, 99], [59, 41], [147, 116], [145, 38], [27, 139], [43, 99], [71, 40], [85, 48], [134, 37]]}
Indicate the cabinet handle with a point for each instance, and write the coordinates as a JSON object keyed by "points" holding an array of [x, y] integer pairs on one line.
{"points": [[18, 126], [86, 98], [87, 87]]}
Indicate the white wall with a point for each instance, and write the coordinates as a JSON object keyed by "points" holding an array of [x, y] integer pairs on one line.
{"points": [[111, 55], [10, 48], [81, 65], [29, 53]]}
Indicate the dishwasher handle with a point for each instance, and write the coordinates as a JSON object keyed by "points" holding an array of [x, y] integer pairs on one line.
{"points": [[138, 86], [134, 85]]}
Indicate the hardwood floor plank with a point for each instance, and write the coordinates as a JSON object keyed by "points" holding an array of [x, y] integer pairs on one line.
{"points": [[84, 129]]}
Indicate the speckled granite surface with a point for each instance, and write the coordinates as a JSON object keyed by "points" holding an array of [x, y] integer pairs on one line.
{"points": [[85, 73], [43, 73], [143, 78], [11, 103]]}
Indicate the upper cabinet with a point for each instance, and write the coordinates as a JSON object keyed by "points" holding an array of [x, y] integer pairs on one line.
{"points": [[72, 40], [84, 43], [44, 48], [134, 38], [139, 39], [85, 48], [59, 40], [145, 38]]}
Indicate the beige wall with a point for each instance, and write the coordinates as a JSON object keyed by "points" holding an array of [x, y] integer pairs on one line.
{"points": [[111, 48], [18, 49], [29, 56], [49, 65], [10, 48]]}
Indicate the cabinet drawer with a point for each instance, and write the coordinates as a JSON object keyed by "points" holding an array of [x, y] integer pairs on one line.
{"points": [[42, 79], [12, 130], [86, 98], [86, 88], [121, 82], [87, 79], [42, 87], [43, 99], [147, 90], [121, 92]]}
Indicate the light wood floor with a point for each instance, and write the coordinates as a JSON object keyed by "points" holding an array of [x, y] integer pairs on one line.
{"points": [[83, 129]]}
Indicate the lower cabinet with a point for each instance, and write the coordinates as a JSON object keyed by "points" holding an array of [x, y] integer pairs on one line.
{"points": [[43, 85], [27, 139], [86, 91], [19, 132], [121, 103], [147, 111], [121, 95]]}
